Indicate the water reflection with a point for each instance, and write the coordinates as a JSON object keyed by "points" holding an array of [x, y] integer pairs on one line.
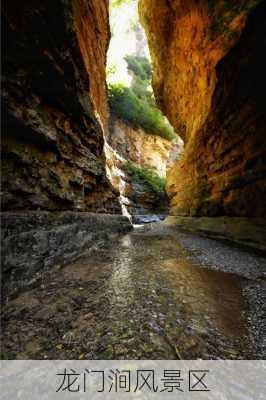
{"points": [[207, 295], [139, 297]]}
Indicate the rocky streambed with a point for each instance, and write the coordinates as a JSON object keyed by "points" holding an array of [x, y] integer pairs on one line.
{"points": [[151, 294]]}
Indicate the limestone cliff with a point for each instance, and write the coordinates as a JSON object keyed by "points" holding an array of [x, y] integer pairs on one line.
{"points": [[209, 79], [139, 147], [136, 197], [144, 150], [54, 106]]}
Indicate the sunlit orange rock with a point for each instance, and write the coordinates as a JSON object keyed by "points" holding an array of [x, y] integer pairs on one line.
{"points": [[209, 79]]}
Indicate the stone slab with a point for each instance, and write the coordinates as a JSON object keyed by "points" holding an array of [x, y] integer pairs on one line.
{"points": [[34, 242], [247, 231]]}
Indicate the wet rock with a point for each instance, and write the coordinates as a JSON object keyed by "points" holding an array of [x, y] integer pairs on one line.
{"points": [[200, 313], [145, 219], [34, 242], [250, 232]]}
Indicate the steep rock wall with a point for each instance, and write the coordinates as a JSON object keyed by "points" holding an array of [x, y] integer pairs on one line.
{"points": [[127, 143], [54, 106], [212, 88], [136, 197], [139, 147]]}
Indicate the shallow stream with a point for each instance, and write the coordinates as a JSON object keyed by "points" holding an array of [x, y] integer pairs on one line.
{"points": [[139, 297]]}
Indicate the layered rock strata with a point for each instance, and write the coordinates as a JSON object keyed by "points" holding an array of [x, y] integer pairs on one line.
{"points": [[34, 242], [54, 106], [54, 120], [139, 147], [209, 79], [134, 145], [136, 197], [250, 232]]}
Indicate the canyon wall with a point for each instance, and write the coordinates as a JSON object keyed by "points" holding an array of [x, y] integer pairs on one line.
{"points": [[128, 144], [209, 79], [139, 147], [54, 119], [54, 106]]}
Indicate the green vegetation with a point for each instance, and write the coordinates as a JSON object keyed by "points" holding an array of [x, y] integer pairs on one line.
{"points": [[136, 105], [118, 3], [140, 66], [153, 182], [139, 113]]}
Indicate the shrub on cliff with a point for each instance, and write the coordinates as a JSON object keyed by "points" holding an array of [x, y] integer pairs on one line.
{"points": [[125, 104], [140, 66], [146, 175]]}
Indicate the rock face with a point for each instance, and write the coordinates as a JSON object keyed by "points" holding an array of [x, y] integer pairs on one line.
{"points": [[54, 100], [137, 146], [212, 88], [128, 143], [135, 197], [250, 232], [33, 242], [144, 150], [139, 200]]}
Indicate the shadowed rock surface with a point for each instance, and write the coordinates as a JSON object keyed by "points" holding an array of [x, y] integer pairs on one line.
{"points": [[34, 242], [248, 231], [54, 106]]}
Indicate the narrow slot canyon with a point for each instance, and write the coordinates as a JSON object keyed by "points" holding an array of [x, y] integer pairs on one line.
{"points": [[133, 180]]}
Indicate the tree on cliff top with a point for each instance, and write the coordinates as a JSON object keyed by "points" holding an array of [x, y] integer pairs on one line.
{"points": [[136, 105], [118, 3], [140, 67], [125, 104]]}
